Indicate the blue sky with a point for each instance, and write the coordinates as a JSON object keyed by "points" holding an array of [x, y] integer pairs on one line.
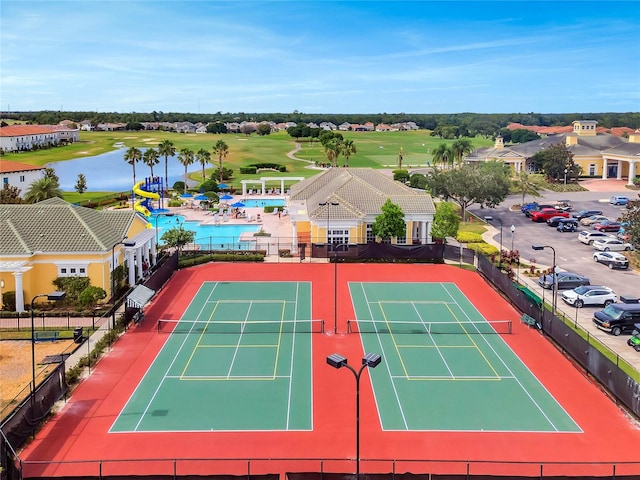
{"points": [[320, 56]]}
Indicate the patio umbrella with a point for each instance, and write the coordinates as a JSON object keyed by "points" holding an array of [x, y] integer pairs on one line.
{"points": [[226, 197], [237, 205], [201, 197], [186, 195], [223, 185]]}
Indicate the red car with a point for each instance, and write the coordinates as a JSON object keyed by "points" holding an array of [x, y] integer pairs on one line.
{"points": [[546, 213], [607, 226]]}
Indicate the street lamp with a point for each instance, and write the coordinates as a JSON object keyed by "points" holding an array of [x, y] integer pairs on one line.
{"points": [[161, 215], [371, 360], [565, 176], [553, 272], [335, 267], [55, 297], [513, 236], [489, 218], [113, 277]]}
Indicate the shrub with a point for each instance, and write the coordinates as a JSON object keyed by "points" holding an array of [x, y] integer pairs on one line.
{"points": [[483, 248], [469, 237]]}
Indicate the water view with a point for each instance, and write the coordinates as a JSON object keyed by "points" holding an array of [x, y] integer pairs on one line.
{"points": [[210, 237]]}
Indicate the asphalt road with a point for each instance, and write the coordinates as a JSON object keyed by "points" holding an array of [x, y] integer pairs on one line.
{"points": [[571, 254]]}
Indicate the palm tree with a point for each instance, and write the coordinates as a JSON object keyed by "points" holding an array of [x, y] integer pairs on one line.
{"points": [[203, 157], [220, 149], [185, 157], [151, 157], [42, 189], [166, 149], [441, 154], [132, 156], [461, 147], [523, 184], [348, 149], [332, 150]]}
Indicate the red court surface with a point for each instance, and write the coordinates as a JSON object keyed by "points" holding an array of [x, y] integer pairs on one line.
{"points": [[77, 437]]}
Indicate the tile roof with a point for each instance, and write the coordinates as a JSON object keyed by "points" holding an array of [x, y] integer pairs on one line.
{"points": [[59, 227], [7, 166], [359, 192], [19, 130]]}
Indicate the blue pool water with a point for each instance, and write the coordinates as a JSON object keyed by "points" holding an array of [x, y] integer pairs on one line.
{"points": [[211, 237], [263, 202]]}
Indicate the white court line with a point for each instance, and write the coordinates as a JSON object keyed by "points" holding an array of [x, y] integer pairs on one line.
{"points": [[235, 353], [435, 344]]}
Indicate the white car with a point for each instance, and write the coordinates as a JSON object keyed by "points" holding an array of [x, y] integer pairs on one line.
{"points": [[612, 244], [612, 259], [590, 236], [589, 295]]}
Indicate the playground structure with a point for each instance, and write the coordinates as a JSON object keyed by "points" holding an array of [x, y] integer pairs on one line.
{"points": [[148, 190]]}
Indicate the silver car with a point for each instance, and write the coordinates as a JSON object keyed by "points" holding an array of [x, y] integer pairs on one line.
{"points": [[612, 244], [589, 295]]}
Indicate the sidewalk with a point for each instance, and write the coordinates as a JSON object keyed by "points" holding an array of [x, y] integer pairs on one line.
{"points": [[581, 316]]}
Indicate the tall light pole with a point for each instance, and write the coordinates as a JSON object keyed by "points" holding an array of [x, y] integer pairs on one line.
{"points": [[1, 298], [490, 219], [553, 272], [156, 219], [55, 297], [371, 360], [113, 277], [513, 236], [335, 267], [565, 176]]}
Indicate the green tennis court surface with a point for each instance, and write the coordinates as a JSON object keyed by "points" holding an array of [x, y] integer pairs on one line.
{"points": [[238, 359], [444, 366]]}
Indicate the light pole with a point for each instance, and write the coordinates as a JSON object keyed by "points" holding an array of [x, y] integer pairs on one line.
{"points": [[161, 215], [513, 236], [1, 298], [113, 277], [553, 272], [490, 219], [565, 176], [53, 296], [371, 360], [335, 267]]}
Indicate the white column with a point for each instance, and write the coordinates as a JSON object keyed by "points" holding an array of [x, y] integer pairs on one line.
{"points": [[632, 172], [132, 268], [619, 176], [154, 251], [294, 240], [423, 232], [19, 292], [139, 259], [282, 186], [604, 169]]}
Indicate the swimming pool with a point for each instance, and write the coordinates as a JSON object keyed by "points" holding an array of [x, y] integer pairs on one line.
{"points": [[263, 202], [211, 237]]}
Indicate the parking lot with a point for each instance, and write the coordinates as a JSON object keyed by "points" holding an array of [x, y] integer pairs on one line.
{"points": [[571, 255]]}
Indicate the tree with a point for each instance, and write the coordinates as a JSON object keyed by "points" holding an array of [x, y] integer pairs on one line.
{"points": [[632, 215], [442, 154], [400, 158], [390, 223], [522, 135], [90, 296], [554, 160], [525, 186], [418, 180], [151, 157], [348, 149], [10, 194], [178, 237], [487, 184], [332, 150], [185, 157], [460, 148], [131, 156], [42, 189], [81, 184], [166, 149], [445, 221], [220, 150], [51, 173], [203, 156], [264, 129]]}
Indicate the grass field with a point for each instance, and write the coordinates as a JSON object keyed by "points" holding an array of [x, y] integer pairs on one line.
{"points": [[374, 150]]}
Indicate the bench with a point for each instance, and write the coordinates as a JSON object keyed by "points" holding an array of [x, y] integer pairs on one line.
{"points": [[529, 320], [46, 336]]}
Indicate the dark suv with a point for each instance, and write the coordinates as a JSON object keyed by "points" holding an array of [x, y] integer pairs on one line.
{"points": [[617, 318], [586, 213]]}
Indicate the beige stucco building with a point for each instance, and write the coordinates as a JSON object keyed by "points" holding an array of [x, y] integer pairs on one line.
{"points": [[50, 239], [599, 154]]}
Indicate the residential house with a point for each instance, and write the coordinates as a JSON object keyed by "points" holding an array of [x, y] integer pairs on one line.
{"points": [[19, 175], [340, 205], [23, 138], [43, 241]]}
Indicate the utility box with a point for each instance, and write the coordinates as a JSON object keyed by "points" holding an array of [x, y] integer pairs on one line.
{"points": [[77, 335], [629, 299]]}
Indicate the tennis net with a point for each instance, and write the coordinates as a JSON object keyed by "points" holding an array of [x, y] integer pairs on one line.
{"points": [[430, 328], [240, 326]]}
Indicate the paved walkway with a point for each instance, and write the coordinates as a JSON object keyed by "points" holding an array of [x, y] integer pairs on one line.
{"points": [[608, 185]]}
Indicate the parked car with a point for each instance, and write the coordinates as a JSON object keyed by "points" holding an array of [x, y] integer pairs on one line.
{"points": [[619, 200], [589, 295], [593, 219], [563, 205], [590, 236], [612, 259], [553, 221], [607, 226], [526, 206], [537, 208], [586, 213], [617, 318], [545, 214], [612, 244], [567, 225], [565, 280]]}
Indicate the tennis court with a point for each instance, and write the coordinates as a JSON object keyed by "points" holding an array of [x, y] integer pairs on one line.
{"points": [[445, 367], [238, 359]]}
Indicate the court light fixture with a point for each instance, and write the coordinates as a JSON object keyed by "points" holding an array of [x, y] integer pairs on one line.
{"points": [[490, 219], [553, 272], [371, 360]]}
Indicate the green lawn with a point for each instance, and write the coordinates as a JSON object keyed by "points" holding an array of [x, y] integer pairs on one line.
{"points": [[374, 150]]}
